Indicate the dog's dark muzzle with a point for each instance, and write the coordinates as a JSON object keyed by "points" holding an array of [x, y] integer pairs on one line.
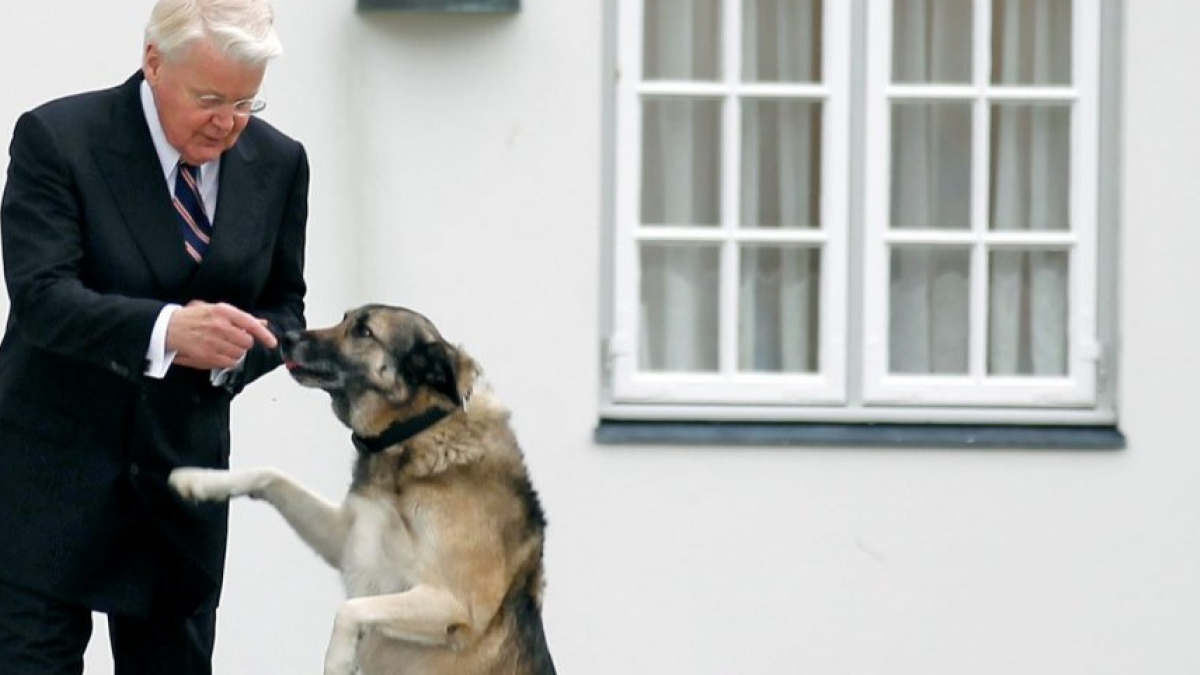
{"points": [[306, 360]]}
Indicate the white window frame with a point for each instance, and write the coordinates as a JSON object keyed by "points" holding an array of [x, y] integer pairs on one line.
{"points": [[1078, 387], [728, 386], [853, 385]]}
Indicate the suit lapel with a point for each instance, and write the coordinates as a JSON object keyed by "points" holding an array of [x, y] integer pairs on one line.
{"points": [[134, 175], [238, 222]]}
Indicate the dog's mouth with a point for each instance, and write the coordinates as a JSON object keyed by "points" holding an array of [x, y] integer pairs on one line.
{"points": [[313, 375]]}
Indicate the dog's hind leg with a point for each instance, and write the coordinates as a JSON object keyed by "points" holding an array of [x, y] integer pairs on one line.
{"points": [[322, 525]]}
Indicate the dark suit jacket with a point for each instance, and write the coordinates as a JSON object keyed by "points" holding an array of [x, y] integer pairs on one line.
{"points": [[92, 251]]}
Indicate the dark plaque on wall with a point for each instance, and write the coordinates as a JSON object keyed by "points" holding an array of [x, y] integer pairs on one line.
{"points": [[443, 5]]}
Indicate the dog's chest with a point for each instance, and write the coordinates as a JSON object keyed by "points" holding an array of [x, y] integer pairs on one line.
{"points": [[380, 555]]}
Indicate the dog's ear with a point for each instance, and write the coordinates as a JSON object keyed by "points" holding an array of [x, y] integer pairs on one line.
{"points": [[435, 365]]}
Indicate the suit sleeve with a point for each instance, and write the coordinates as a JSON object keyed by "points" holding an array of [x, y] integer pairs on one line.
{"points": [[41, 232], [282, 300]]}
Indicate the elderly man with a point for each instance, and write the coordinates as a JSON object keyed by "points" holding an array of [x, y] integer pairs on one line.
{"points": [[153, 242]]}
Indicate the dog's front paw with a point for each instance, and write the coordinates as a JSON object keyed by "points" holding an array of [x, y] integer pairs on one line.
{"points": [[340, 661], [341, 658], [202, 485]]}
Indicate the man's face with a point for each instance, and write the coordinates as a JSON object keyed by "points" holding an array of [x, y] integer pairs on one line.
{"points": [[185, 91]]}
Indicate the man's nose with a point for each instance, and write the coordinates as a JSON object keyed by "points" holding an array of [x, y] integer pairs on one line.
{"points": [[224, 120]]}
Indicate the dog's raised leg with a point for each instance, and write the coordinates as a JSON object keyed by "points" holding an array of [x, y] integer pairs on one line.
{"points": [[424, 614], [322, 525]]}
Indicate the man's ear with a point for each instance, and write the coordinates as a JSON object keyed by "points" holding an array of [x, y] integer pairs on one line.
{"points": [[434, 365], [151, 61]]}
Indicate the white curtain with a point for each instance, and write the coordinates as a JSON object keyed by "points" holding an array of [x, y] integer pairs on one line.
{"points": [[1027, 327], [779, 170], [931, 188], [681, 186], [778, 323], [1027, 317], [680, 160]]}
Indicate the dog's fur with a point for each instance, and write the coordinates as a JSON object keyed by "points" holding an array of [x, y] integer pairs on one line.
{"points": [[439, 541]]}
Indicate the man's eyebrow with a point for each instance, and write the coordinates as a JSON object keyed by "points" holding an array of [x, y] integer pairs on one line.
{"points": [[210, 93]]}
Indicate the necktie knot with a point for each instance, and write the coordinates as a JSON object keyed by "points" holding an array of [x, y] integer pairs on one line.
{"points": [[189, 205]]}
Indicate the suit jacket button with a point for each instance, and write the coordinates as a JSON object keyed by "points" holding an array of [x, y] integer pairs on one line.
{"points": [[134, 469]]}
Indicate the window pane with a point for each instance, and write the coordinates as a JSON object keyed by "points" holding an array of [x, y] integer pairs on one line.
{"points": [[781, 164], [681, 162], [782, 40], [1031, 42], [1031, 167], [931, 166], [682, 40], [679, 310], [779, 300], [930, 310], [1027, 311], [931, 41]]}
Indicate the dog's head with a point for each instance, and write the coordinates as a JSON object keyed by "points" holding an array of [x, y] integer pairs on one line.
{"points": [[380, 363]]}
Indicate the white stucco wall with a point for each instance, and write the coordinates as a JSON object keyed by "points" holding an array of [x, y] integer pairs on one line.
{"points": [[456, 169]]}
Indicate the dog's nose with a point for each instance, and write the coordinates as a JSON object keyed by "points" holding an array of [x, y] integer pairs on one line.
{"points": [[290, 340]]}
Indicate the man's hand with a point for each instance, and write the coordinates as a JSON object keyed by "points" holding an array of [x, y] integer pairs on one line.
{"points": [[206, 336]]}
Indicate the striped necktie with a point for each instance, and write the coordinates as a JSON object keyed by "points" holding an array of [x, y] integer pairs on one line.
{"points": [[190, 207]]}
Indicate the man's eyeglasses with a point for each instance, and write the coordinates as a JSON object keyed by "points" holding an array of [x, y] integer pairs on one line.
{"points": [[243, 108]]}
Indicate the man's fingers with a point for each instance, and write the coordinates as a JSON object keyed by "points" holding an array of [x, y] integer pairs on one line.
{"points": [[260, 332], [252, 325], [205, 335], [232, 339]]}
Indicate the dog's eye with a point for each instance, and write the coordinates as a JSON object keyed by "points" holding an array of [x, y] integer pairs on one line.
{"points": [[362, 330]]}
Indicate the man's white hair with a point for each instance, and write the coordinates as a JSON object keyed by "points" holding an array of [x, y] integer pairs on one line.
{"points": [[242, 30]]}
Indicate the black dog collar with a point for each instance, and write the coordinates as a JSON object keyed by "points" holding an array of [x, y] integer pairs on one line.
{"points": [[399, 432]]}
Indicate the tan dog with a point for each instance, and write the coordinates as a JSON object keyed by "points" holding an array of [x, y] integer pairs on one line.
{"points": [[439, 541]]}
